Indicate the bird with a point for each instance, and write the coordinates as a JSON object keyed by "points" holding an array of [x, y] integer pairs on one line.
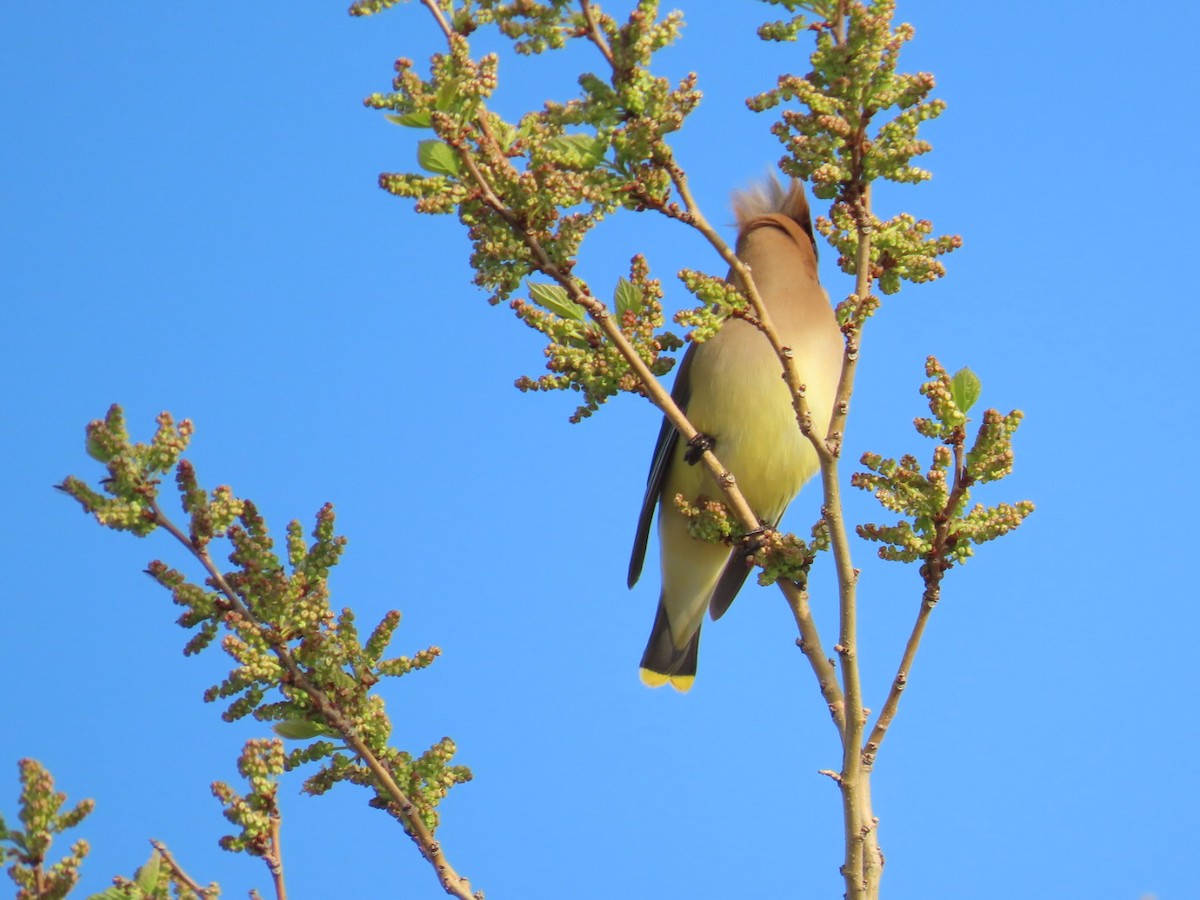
{"points": [[732, 390]]}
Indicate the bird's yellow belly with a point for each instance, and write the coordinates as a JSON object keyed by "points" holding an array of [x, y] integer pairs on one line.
{"points": [[746, 407]]}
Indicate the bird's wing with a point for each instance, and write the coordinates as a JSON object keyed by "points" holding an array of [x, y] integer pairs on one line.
{"points": [[664, 450]]}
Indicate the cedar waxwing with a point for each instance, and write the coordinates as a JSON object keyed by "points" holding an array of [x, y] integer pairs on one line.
{"points": [[731, 388]]}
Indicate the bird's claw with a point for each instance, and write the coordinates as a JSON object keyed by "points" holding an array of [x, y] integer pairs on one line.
{"points": [[698, 446]]}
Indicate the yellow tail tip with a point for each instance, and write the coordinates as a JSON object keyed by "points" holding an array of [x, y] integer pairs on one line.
{"points": [[681, 683]]}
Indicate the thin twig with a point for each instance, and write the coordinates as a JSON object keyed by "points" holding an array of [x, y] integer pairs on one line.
{"points": [[179, 873], [436, 11], [275, 860], [809, 643], [862, 860], [835, 434], [859, 833], [839, 24], [595, 35], [933, 570], [852, 767], [655, 392]]}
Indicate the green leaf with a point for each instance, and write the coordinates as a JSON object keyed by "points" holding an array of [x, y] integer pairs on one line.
{"points": [[965, 388], [437, 157], [449, 98], [147, 875], [505, 134], [96, 449], [300, 730], [420, 119], [579, 149], [553, 297], [627, 296]]}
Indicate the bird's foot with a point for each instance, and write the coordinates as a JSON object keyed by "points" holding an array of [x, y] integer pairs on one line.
{"points": [[753, 541], [698, 446]]}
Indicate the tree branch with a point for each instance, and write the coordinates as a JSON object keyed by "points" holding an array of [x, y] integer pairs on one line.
{"points": [[863, 859], [454, 884], [809, 643]]}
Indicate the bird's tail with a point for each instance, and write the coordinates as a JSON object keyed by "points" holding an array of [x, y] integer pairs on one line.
{"points": [[663, 663]]}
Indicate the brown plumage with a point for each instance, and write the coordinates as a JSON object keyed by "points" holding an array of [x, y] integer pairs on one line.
{"points": [[731, 388]]}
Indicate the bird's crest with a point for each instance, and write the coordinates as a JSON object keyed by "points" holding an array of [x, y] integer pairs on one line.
{"points": [[767, 198]]}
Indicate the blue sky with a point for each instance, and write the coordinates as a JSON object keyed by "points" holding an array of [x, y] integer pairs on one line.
{"points": [[190, 221]]}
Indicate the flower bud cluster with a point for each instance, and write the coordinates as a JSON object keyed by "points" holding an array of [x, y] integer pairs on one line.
{"points": [[936, 524], [901, 249], [720, 300], [530, 190], [296, 661], [261, 764], [841, 137], [133, 471], [42, 817], [578, 356], [708, 520]]}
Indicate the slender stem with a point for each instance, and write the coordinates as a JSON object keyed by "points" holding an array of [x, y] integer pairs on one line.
{"points": [[179, 873], [834, 513], [275, 860], [872, 855], [809, 643], [933, 570], [853, 773], [451, 881], [835, 435], [863, 859], [436, 12], [929, 599], [595, 35], [655, 392]]}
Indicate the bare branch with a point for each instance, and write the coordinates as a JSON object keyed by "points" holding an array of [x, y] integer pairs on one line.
{"points": [[809, 643]]}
